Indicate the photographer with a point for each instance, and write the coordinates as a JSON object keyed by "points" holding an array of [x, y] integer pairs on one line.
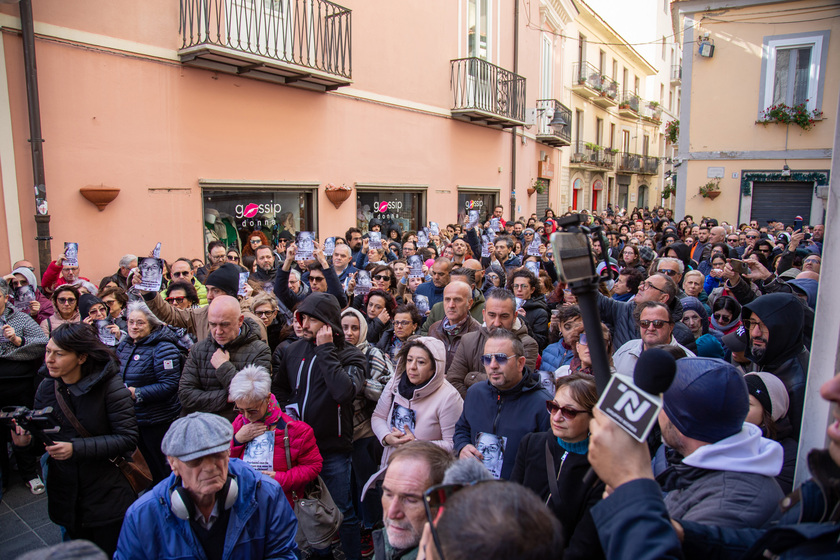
{"points": [[21, 352]]}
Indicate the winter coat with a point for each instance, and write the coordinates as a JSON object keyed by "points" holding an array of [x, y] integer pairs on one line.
{"points": [[556, 355], [284, 294], [194, 319], [51, 323], [88, 490], [625, 358], [322, 380], [261, 524], [536, 317], [52, 278], [204, 388], [47, 308], [786, 356], [572, 506], [436, 405], [730, 482], [306, 459], [437, 312], [152, 365], [809, 527], [450, 341], [432, 292], [21, 362], [619, 315], [511, 414], [467, 369]]}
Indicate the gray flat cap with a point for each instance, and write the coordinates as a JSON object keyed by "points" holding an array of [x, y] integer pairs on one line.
{"points": [[197, 435]]}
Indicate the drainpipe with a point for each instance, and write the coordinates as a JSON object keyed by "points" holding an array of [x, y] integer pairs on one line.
{"points": [[42, 216], [513, 130]]}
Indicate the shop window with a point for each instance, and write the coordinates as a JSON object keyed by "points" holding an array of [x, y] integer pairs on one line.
{"points": [[405, 209]]}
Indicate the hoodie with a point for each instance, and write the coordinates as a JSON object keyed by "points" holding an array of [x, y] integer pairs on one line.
{"points": [[47, 308], [730, 482], [436, 405], [321, 381], [785, 356], [807, 287]]}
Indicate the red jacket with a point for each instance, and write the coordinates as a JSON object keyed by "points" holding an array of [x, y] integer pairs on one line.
{"points": [[306, 459], [52, 277]]}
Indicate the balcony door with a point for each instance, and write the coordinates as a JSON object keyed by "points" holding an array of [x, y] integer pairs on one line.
{"points": [[273, 28], [480, 83]]}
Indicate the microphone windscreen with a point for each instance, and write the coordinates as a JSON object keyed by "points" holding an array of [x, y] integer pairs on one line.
{"points": [[655, 371]]}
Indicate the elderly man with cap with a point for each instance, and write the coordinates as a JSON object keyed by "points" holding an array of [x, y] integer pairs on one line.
{"points": [[211, 506], [222, 281], [714, 467]]}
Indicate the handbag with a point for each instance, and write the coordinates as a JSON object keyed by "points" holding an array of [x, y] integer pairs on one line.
{"points": [[318, 516], [136, 470]]}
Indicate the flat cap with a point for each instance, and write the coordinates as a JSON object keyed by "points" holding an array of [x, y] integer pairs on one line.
{"points": [[197, 435]]}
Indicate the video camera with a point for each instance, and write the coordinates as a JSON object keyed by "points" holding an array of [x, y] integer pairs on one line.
{"points": [[40, 423]]}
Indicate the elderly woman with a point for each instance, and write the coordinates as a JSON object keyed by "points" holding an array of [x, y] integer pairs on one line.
{"points": [[260, 432], [266, 308], [406, 321], [65, 300], [693, 283], [696, 319], [92, 310], [116, 300], [150, 365], [568, 443], [418, 402]]}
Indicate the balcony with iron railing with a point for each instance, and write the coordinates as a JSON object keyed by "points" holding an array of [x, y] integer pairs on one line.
{"points": [[486, 94], [629, 163], [551, 116], [676, 74], [649, 165], [629, 104], [305, 43], [650, 110], [587, 154], [607, 94], [587, 80]]}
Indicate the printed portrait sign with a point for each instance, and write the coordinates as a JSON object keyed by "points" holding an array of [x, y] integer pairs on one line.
{"points": [[151, 274], [492, 448], [71, 254], [305, 246]]}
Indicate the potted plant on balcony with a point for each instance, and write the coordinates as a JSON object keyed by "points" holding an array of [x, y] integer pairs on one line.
{"points": [[611, 150], [537, 186], [337, 194], [798, 115], [668, 191], [711, 189], [672, 131]]}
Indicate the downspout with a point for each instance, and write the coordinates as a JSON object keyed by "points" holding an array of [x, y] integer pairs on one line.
{"points": [[513, 129], [42, 216]]}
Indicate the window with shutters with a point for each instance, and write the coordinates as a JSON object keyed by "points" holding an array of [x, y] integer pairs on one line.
{"points": [[793, 70]]}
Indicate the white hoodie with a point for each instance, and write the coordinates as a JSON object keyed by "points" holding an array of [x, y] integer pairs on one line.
{"points": [[745, 452]]}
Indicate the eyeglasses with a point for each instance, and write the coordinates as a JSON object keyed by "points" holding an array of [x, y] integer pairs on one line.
{"points": [[657, 323], [568, 413], [233, 258], [176, 299], [402, 323], [813, 261], [66, 300], [264, 313], [109, 302], [247, 411], [647, 285], [181, 274], [721, 318], [382, 277], [667, 271], [753, 324], [582, 339], [501, 359]]}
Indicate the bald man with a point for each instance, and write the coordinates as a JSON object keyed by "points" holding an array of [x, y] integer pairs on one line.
{"points": [[457, 301], [232, 344], [717, 234]]}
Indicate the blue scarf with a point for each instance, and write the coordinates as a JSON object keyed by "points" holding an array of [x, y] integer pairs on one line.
{"points": [[579, 448]]}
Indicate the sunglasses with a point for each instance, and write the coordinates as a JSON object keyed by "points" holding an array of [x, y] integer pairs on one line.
{"points": [[255, 242], [66, 300], [667, 271], [721, 318], [383, 277], [176, 299], [752, 237], [657, 323], [233, 258], [501, 359], [568, 413]]}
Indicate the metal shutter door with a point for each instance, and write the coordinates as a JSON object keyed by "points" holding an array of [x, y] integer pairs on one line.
{"points": [[781, 201]]}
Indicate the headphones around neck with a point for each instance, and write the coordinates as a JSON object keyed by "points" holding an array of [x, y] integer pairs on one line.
{"points": [[183, 506]]}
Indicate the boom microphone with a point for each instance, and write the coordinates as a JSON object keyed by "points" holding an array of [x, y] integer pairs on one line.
{"points": [[655, 371]]}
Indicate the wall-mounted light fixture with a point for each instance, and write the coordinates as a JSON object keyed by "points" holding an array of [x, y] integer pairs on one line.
{"points": [[706, 47]]}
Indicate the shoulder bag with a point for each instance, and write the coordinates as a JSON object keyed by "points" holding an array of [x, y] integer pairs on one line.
{"points": [[318, 516], [136, 471]]}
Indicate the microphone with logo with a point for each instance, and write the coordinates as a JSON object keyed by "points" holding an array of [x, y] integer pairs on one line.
{"points": [[634, 403]]}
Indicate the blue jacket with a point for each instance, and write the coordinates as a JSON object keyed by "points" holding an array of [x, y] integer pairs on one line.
{"points": [[431, 291], [556, 355], [152, 365], [510, 414], [261, 523]]}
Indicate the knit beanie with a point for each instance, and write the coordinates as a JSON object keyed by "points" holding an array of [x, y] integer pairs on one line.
{"points": [[770, 392], [708, 346], [646, 254], [86, 301], [226, 278], [708, 400]]}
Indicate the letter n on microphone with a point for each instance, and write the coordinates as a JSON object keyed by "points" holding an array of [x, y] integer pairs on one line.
{"points": [[630, 407]]}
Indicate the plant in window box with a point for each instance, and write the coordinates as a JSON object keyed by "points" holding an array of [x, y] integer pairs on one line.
{"points": [[711, 189], [594, 147], [798, 115], [668, 191], [672, 131], [537, 186], [337, 194], [611, 150]]}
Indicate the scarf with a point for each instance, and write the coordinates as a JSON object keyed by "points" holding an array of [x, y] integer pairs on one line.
{"points": [[454, 330], [406, 388], [727, 329], [578, 448]]}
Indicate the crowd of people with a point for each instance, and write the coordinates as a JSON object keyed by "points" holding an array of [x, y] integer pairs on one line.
{"points": [[441, 387]]}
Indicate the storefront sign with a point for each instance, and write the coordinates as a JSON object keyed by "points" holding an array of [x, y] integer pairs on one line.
{"points": [[545, 170], [257, 215]]}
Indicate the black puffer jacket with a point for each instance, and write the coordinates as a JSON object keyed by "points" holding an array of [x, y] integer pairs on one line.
{"points": [[88, 490], [321, 380], [152, 365], [536, 318], [204, 388]]}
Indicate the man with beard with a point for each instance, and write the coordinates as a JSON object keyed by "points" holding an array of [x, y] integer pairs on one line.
{"points": [[412, 469], [266, 269], [775, 324]]}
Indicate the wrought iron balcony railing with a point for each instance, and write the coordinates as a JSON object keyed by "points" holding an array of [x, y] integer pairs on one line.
{"points": [[649, 165], [629, 163], [551, 110], [270, 36], [588, 153], [630, 100], [676, 73], [485, 92]]}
